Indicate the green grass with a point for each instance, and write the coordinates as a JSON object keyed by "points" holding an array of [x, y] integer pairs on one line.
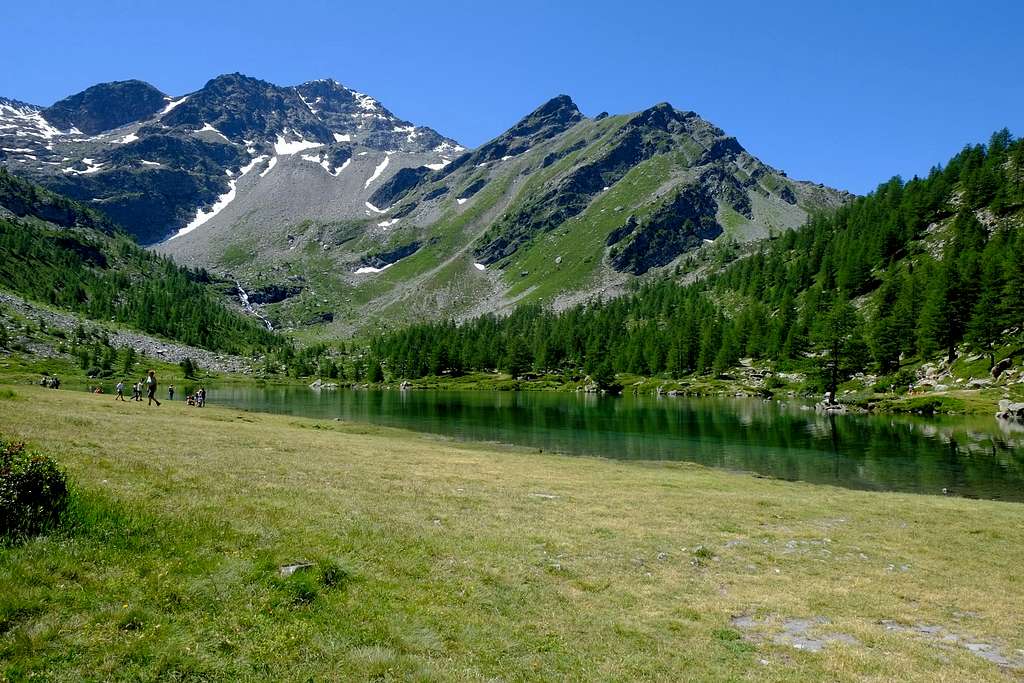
{"points": [[433, 560]]}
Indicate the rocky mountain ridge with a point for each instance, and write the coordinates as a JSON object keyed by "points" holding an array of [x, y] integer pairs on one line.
{"points": [[557, 208], [159, 165]]}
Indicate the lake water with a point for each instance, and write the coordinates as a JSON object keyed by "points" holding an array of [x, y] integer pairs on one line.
{"points": [[968, 456]]}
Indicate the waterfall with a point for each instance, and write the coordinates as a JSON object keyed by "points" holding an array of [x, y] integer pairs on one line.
{"points": [[243, 296]]}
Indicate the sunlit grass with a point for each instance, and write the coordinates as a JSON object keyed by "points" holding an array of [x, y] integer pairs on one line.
{"points": [[433, 560]]}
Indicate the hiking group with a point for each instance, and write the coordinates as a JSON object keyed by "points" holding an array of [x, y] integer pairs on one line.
{"points": [[150, 386], [149, 383]]}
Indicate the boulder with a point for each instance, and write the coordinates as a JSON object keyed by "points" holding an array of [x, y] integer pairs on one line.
{"points": [[1010, 411]]}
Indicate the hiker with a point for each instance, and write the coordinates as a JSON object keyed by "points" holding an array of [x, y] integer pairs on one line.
{"points": [[170, 392], [56, 382], [151, 386], [201, 396], [120, 391]]}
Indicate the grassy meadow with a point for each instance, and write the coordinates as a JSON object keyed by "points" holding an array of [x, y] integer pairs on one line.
{"points": [[438, 560]]}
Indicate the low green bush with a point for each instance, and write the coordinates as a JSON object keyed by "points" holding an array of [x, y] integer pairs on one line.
{"points": [[33, 491], [899, 380]]}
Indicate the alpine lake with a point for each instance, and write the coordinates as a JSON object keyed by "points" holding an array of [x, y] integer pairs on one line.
{"points": [[967, 456]]}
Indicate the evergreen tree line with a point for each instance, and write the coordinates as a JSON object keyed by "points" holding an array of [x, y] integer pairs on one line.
{"points": [[907, 272], [110, 278]]}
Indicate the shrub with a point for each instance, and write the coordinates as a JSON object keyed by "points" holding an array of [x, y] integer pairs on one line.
{"points": [[33, 491], [900, 380]]}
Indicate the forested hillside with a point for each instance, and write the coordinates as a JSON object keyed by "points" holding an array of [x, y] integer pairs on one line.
{"points": [[904, 274], [58, 252]]}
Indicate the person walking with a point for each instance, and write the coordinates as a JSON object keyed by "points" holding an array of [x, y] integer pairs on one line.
{"points": [[120, 391], [151, 386], [170, 392]]}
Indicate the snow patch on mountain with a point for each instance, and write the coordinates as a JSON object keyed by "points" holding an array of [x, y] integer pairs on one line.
{"points": [[366, 270], [339, 137], [438, 166], [171, 104], [272, 164], [222, 202], [366, 103], [204, 215], [26, 121], [284, 147], [341, 168], [377, 171], [309, 106], [91, 166], [248, 167]]}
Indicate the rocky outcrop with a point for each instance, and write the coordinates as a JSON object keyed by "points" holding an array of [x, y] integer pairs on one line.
{"points": [[726, 188], [246, 108], [381, 259], [106, 106], [22, 198], [273, 293], [552, 118], [1011, 411], [473, 188], [395, 187], [678, 226], [349, 112]]}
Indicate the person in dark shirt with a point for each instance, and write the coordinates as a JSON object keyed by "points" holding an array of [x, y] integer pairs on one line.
{"points": [[151, 386]]}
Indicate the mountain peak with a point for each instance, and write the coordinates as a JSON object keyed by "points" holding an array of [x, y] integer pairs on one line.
{"points": [[557, 113], [550, 119], [106, 106], [559, 103]]}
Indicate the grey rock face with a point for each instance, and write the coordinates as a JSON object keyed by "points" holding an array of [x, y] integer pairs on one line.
{"points": [[151, 162], [677, 226], [106, 106]]}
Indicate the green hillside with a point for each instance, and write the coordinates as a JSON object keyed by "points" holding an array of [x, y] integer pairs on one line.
{"points": [[57, 252], [914, 271]]}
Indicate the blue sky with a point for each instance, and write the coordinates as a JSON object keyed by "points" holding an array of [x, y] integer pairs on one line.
{"points": [[845, 93]]}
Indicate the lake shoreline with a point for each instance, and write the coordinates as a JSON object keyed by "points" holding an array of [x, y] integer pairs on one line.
{"points": [[447, 561], [953, 402]]}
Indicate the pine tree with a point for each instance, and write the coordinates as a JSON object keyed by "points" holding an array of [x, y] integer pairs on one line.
{"points": [[984, 329], [518, 360], [837, 336], [374, 372], [128, 360]]}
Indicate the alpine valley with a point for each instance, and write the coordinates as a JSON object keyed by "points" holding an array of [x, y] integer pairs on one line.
{"points": [[338, 217]]}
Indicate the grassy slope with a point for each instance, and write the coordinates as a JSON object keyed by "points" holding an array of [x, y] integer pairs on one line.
{"points": [[457, 570]]}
